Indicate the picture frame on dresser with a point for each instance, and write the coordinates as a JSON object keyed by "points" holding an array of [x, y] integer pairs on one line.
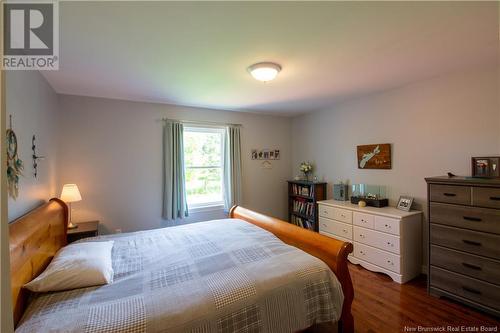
{"points": [[404, 203]]}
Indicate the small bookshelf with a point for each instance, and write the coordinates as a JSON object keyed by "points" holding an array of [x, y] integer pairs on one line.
{"points": [[303, 197]]}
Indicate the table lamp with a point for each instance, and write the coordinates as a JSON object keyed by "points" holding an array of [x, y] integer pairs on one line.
{"points": [[69, 194]]}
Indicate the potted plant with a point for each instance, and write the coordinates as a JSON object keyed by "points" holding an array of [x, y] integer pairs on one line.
{"points": [[306, 168]]}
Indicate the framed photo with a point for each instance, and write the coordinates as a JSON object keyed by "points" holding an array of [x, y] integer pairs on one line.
{"points": [[276, 154], [486, 167], [254, 154], [404, 203]]}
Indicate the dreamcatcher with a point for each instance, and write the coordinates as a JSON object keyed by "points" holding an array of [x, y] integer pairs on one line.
{"points": [[14, 164]]}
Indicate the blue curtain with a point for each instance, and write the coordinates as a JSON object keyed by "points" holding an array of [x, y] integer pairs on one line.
{"points": [[232, 167], [174, 184]]}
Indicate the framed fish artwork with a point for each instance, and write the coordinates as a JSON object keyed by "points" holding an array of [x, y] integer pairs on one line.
{"points": [[376, 156]]}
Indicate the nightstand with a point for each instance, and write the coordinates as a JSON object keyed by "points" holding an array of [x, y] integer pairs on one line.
{"points": [[85, 229]]}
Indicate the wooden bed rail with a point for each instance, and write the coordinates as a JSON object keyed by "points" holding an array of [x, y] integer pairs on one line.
{"points": [[331, 251]]}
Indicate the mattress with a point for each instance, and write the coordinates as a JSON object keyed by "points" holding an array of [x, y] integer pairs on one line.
{"points": [[216, 276]]}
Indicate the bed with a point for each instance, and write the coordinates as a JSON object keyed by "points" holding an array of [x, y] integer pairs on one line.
{"points": [[243, 274]]}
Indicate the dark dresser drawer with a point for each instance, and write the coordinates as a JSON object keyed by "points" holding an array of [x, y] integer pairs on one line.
{"points": [[486, 197], [480, 243], [478, 291], [480, 219], [468, 264], [460, 195]]}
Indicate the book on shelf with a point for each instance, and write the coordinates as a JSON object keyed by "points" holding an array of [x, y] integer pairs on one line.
{"points": [[303, 206], [301, 222], [304, 190]]}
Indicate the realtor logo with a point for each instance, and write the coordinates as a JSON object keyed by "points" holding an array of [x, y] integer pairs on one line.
{"points": [[31, 36]]}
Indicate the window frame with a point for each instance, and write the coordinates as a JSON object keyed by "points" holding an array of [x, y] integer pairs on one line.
{"points": [[213, 205]]}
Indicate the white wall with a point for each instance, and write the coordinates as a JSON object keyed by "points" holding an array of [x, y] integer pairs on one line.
{"points": [[112, 150], [434, 126], [34, 108]]}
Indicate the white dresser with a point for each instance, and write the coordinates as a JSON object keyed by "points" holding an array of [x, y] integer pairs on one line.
{"points": [[386, 240]]}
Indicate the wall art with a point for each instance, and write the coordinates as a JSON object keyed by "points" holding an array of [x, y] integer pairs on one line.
{"points": [[265, 154], [14, 164], [376, 156]]}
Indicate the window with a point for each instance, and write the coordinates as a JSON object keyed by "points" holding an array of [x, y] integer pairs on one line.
{"points": [[203, 162]]}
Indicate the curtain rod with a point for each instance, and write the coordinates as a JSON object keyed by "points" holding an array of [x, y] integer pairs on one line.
{"points": [[213, 123]]}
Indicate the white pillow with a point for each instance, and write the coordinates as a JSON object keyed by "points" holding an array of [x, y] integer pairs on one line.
{"points": [[76, 266]]}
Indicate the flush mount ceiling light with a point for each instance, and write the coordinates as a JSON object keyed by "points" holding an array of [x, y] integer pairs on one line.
{"points": [[264, 71]]}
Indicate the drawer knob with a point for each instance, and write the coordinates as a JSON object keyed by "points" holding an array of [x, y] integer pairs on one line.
{"points": [[495, 198], [470, 218], [471, 290], [361, 252], [466, 241], [449, 194], [477, 268], [388, 226], [345, 231], [390, 244]]}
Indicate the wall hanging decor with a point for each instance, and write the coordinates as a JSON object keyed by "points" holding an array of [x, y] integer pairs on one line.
{"points": [[14, 164], [265, 154], [35, 157], [377, 156]]}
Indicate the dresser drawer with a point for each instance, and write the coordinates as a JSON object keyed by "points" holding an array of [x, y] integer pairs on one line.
{"points": [[468, 264], [337, 228], [480, 243], [386, 224], [377, 239], [486, 197], [378, 257], [480, 219], [342, 215], [325, 211], [363, 220], [450, 194], [478, 291]]}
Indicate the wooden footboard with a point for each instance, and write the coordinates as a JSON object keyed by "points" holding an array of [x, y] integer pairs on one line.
{"points": [[331, 251]]}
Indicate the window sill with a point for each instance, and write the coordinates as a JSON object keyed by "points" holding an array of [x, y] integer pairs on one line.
{"points": [[207, 208]]}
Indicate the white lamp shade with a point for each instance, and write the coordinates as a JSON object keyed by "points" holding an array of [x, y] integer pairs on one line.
{"points": [[70, 193]]}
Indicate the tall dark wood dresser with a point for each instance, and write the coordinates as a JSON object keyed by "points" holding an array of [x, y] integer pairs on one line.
{"points": [[464, 240]]}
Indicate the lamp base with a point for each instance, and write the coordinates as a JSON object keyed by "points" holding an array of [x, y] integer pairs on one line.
{"points": [[72, 226]]}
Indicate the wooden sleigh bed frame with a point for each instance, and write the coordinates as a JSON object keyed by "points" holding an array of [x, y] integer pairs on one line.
{"points": [[38, 235]]}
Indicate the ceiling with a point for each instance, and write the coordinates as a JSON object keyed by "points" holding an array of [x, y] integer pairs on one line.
{"points": [[196, 54]]}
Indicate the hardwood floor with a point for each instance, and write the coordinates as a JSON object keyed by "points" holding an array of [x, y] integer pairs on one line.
{"points": [[383, 306]]}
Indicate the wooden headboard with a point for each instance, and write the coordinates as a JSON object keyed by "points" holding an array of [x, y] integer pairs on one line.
{"points": [[34, 239]]}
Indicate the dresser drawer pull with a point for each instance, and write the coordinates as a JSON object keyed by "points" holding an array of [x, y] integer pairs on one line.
{"points": [[470, 218], [477, 268], [495, 198], [466, 241], [470, 290], [345, 231], [449, 194]]}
